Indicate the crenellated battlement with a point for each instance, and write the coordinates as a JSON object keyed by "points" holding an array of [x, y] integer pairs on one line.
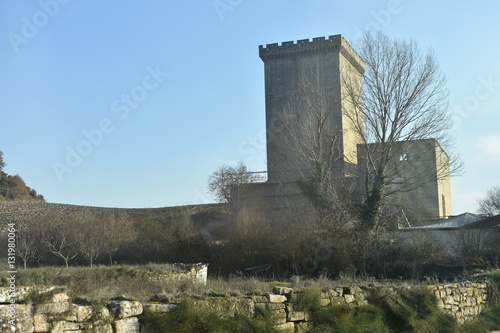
{"points": [[300, 44], [334, 42]]}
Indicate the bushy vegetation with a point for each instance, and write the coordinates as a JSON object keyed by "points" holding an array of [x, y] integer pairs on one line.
{"points": [[14, 187], [303, 246]]}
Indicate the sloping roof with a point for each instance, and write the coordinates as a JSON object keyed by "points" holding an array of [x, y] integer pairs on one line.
{"points": [[454, 222]]}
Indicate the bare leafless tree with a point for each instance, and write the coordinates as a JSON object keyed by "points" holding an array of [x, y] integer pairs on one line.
{"points": [[404, 98], [470, 243], [59, 237], [227, 183], [490, 204], [29, 243], [312, 156], [90, 232], [118, 231]]}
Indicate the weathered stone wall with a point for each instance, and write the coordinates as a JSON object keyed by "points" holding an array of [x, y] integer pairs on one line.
{"points": [[462, 300], [190, 272], [53, 311]]}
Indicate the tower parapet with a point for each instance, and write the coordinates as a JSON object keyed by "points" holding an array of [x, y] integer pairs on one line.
{"points": [[317, 44]]}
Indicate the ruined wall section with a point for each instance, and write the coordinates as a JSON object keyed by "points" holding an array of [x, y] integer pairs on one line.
{"points": [[55, 312]]}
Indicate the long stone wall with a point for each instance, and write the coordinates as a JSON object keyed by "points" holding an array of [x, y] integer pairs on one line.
{"points": [[46, 309]]}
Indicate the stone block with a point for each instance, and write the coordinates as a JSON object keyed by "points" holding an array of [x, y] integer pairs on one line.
{"points": [[325, 301], [259, 299], [160, 308], [59, 298], [285, 327], [349, 298], [303, 327], [296, 316], [125, 309], [223, 307], [272, 298], [22, 293], [80, 313], [282, 290], [332, 293], [40, 323], [53, 308], [278, 316], [449, 300], [337, 301], [65, 327], [19, 314], [270, 306], [101, 328], [101, 313], [127, 325], [244, 307]]}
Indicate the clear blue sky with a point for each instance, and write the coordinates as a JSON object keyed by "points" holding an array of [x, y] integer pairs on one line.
{"points": [[155, 95]]}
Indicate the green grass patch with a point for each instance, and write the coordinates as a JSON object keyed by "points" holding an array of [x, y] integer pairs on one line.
{"points": [[389, 310], [100, 283], [188, 318], [340, 319], [309, 300], [95, 284], [412, 310]]}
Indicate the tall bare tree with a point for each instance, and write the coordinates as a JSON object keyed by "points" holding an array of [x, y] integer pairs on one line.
{"points": [[490, 204], [118, 231], [313, 141], [89, 230], [59, 237], [29, 243], [404, 98]]}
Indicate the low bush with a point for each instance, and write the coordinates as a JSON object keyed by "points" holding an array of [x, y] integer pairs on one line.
{"points": [[187, 318], [346, 319], [389, 310]]}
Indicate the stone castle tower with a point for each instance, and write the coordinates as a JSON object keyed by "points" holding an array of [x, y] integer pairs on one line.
{"points": [[304, 92], [303, 86]]}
